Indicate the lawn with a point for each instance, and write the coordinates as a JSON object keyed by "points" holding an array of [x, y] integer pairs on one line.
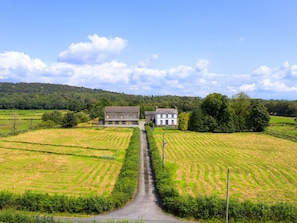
{"points": [[63, 161], [263, 168]]}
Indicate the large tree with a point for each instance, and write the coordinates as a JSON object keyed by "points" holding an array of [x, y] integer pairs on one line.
{"points": [[241, 103], [219, 113], [258, 117], [69, 120], [183, 121]]}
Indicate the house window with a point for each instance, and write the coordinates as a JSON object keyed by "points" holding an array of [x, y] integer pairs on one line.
{"points": [[161, 122], [172, 122], [166, 122]]}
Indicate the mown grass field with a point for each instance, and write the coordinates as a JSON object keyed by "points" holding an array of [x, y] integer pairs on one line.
{"points": [[63, 161], [263, 168]]}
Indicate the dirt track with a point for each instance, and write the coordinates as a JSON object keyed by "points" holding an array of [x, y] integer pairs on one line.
{"points": [[145, 206]]}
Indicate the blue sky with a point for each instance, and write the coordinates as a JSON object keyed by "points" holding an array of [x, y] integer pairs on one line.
{"points": [[153, 47]]}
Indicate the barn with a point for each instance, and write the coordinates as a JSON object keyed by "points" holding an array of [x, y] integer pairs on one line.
{"points": [[121, 115]]}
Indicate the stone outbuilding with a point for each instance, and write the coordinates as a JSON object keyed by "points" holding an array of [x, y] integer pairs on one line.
{"points": [[121, 115]]}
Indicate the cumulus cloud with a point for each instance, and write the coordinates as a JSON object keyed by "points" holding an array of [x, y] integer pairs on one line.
{"points": [[247, 87], [113, 75], [97, 50], [18, 66], [147, 62]]}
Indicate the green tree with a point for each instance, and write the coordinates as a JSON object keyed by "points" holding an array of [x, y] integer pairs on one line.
{"points": [[69, 120], [219, 111], [183, 121], [97, 110], [196, 122], [241, 104], [81, 117], [259, 117], [54, 116]]}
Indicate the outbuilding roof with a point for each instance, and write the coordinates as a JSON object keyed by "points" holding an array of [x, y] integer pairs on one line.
{"points": [[122, 109]]}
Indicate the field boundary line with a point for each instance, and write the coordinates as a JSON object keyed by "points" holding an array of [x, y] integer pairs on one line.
{"points": [[56, 145], [64, 154]]}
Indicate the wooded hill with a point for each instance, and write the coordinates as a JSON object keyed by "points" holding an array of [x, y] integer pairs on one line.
{"points": [[57, 96]]}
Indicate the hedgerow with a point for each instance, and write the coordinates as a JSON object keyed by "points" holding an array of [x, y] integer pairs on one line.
{"points": [[211, 207], [123, 191]]}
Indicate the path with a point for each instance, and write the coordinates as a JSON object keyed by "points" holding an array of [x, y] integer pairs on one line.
{"points": [[145, 206]]}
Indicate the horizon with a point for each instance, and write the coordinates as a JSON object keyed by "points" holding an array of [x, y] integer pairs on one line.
{"points": [[191, 48]]}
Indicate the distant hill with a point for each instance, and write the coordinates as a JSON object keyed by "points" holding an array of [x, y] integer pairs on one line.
{"points": [[57, 96], [7, 87]]}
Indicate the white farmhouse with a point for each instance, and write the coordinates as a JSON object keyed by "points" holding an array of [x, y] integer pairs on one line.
{"points": [[166, 117]]}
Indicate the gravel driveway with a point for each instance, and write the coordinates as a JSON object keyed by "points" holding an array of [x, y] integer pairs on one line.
{"points": [[145, 206]]}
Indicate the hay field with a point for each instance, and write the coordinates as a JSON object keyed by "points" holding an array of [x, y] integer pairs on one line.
{"points": [[63, 161], [263, 168]]}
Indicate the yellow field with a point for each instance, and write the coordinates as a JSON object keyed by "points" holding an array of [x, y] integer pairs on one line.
{"points": [[263, 168], [62, 161]]}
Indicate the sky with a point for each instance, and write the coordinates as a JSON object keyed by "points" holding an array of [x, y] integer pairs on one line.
{"points": [[153, 47]]}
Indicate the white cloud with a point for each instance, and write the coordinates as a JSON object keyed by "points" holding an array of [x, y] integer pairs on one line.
{"points": [[263, 70], [18, 66], [147, 62], [294, 71], [202, 66], [118, 76], [247, 87], [98, 50]]}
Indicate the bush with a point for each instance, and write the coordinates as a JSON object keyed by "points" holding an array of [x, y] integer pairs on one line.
{"points": [[126, 183]]}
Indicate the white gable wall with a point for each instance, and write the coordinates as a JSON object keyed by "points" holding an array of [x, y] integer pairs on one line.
{"points": [[166, 119]]}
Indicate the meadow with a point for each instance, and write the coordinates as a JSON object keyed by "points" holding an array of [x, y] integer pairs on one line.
{"points": [[74, 162], [263, 168], [282, 127], [19, 120]]}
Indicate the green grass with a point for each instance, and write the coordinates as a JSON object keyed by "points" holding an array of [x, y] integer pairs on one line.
{"points": [[282, 127], [63, 161], [19, 120], [263, 168]]}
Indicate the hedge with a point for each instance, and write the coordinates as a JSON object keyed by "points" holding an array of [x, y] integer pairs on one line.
{"points": [[211, 207]]}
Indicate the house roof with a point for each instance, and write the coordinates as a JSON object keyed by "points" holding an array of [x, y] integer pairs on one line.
{"points": [[166, 111], [149, 112], [121, 109]]}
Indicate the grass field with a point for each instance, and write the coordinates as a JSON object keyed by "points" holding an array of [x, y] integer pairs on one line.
{"points": [[60, 161], [19, 119], [283, 127], [263, 168]]}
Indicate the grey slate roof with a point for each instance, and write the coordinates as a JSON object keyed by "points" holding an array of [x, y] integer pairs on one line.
{"points": [[166, 111], [122, 109]]}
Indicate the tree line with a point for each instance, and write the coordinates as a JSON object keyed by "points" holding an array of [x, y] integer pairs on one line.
{"points": [[214, 113], [218, 113]]}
